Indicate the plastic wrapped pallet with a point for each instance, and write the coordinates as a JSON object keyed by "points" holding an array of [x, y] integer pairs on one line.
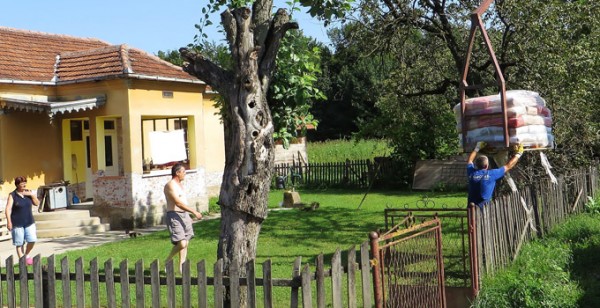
{"points": [[529, 120]]}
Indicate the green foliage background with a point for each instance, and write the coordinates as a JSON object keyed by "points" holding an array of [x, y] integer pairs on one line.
{"points": [[415, 52]]}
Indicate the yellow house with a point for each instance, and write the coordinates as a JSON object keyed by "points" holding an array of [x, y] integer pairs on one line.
{"points": [[106, 121]]}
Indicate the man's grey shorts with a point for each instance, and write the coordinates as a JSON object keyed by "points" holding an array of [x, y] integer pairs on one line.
{"points": [[180, 226]]}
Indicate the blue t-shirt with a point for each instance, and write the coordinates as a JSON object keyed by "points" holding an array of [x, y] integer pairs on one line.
{"points": [[482, 183]]}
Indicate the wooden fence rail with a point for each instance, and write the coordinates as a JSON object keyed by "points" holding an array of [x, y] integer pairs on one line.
{"points": [[109, 287], [351, 173]]}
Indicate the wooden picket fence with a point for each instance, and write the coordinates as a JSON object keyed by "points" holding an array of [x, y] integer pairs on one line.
{"points": [[26, 289], [515, 218], [351, 173]]}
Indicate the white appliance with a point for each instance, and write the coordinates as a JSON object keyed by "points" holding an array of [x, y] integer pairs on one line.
{"points": [[57, 197]]}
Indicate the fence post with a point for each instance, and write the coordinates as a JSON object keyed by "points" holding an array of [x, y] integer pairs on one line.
{"points": [[471, 212], [536, 212], [295, 277], [346, 179], [377, 283], [45, 293]]}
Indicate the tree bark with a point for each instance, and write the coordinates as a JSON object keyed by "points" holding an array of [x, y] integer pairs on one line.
{"points": [[254, 40]]}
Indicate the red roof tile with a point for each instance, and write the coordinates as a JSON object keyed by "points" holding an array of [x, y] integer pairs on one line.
{"points": [[44, 57]]}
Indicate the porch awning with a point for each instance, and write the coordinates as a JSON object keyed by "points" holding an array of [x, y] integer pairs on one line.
{"points": [[52, 108]]}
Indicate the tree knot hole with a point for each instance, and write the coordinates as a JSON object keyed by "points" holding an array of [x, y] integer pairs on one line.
{"points": [[250, 189]]}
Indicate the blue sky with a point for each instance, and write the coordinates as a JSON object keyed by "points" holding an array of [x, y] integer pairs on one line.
{"points": [[149, 25]]}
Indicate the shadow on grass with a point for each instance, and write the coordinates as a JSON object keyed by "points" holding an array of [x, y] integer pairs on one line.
{"points": [[586, 271], [383, 192]]}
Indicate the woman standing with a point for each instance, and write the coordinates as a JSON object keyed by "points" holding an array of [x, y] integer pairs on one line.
{"points": [[19, 217]]}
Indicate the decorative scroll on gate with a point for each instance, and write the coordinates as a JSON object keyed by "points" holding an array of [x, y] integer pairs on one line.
{"points": [[408, 265]]}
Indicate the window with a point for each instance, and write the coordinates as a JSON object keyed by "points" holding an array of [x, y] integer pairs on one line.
{"points": [[109, 125], [76, 130], [87, 152], [171, 127], [108, 151]]}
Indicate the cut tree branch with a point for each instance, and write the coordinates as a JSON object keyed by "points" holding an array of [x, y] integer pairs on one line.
{"points": [[279, 26], [261, 17], [205, 70]]}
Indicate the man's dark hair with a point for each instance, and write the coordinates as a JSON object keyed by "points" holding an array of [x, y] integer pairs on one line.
{"points": [[482, 162], [176, 168]]}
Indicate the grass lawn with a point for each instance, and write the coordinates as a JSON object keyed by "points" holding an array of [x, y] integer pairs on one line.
{"points": [[286, 233]]}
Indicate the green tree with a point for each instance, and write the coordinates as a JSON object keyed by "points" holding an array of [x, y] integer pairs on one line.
{"points": [[546, 46], [293, 90], [556, 47], [172, 56], [352, 82]]}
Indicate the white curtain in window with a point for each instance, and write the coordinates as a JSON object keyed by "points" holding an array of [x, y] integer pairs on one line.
{"points": [[167, 146]]}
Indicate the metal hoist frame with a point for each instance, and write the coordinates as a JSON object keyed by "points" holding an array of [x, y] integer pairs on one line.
{"points": [[477, 23]]}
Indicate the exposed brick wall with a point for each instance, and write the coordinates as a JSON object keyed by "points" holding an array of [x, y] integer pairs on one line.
{"points": [[136, 200]]}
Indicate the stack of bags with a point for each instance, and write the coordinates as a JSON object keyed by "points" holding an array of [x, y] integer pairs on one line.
{"points": [[529, 121]]}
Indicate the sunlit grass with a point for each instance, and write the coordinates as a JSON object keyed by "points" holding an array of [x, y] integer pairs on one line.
{"points": [[286, 234], [340, 150]]}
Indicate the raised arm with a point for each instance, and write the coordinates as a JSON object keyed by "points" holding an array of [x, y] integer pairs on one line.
{"points": [[33, 197], [513, 161]]}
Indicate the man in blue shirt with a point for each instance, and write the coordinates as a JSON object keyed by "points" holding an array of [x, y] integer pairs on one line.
{"points": [[482, 180]]}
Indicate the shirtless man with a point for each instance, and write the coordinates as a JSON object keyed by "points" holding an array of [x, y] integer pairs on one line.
{"points": [[179, 221]]}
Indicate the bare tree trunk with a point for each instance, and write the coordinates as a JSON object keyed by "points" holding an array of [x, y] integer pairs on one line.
{"points": [[246, 180], [254, 37]]}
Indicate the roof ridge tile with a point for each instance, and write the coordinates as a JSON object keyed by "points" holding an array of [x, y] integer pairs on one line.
{"points": [[127, 68], [33, 32]]}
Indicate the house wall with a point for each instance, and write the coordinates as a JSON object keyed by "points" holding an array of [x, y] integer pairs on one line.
{"points": [[128, 198], [146, 100], [115, 107], [29, 145], [214, 149]]}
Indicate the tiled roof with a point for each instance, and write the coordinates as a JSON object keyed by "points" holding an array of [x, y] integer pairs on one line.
{"points": [[41, 57]]}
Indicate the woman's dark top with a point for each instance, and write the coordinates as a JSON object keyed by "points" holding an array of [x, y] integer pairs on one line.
{"points": [[21, 215]]}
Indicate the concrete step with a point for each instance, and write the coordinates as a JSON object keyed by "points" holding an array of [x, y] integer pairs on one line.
{"points": [[71, 231], [67, 223], [62, 215]]}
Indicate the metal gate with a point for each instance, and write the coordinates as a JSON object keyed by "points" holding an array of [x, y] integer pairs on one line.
{"points": [[408, 268]]}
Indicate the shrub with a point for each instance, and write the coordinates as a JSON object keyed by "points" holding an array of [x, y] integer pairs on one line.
{"points": [[592, 206], [538, 278]]}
